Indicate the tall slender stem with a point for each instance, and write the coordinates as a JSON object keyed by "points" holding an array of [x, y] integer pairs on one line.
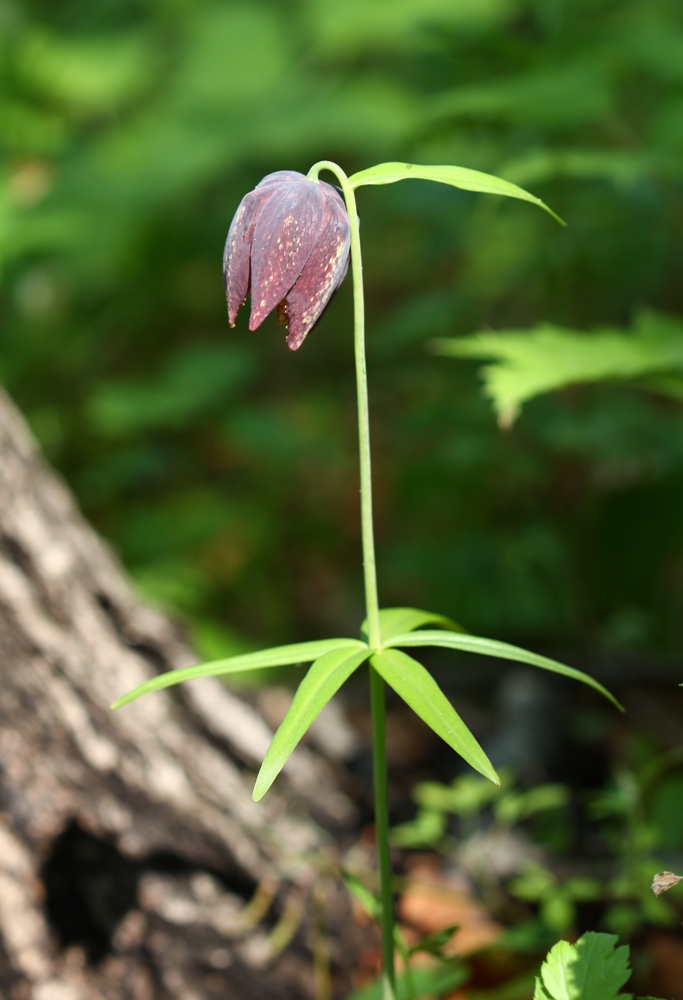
{"points": [[370, 577]]}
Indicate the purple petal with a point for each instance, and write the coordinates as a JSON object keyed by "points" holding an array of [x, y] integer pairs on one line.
{"points": [[236, 266], [286, 231], [236, 256], [280, 177], [324, 272]]}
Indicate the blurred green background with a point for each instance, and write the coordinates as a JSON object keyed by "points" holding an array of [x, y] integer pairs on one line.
{"points": [[221, 466]]}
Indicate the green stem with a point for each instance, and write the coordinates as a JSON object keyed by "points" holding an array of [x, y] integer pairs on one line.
{"points": [[370, 577]]}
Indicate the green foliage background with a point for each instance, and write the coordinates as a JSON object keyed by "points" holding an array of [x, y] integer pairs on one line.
{"points": [[221, 466]]}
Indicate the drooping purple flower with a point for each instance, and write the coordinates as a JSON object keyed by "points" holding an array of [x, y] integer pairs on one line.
{"points": [[288, 245]]}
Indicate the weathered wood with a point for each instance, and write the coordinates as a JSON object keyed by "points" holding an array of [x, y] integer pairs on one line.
{"points": [[129, 843]]}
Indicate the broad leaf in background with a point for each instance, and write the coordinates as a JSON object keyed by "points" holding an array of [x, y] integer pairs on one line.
{"points": [[419, 690], [459, 177], [322, 681], [591, 969], [396, 621], [278, 656], [502, 650], [528, 363]]}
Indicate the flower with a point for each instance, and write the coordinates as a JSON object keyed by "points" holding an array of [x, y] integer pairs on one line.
{"points": [[289, 245]]}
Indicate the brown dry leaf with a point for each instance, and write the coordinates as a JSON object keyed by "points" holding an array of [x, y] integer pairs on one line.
{"points": [[664, 881], [431, 902]]}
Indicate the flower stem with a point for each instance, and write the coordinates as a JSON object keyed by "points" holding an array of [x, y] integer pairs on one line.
{"points": [[370, 577]]}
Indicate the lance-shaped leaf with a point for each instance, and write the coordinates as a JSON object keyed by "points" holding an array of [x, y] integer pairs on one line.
{"points": [[459, 177], [396, 621], [322, 681], [278, 656], [419, 690], [501, 650]]}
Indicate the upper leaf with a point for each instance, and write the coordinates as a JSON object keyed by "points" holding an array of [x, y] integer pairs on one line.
{"points": [[417, 687], [459, 177], [395, 621], [591, 969], [323, 680], [503, 650], [278, 656]]}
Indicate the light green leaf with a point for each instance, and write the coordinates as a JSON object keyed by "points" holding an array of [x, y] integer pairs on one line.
{"points": [[323, 680], [278, 656], [426, 981], [367, 899], [459, 177], [540, 993], [419, 690], [395, 621], [527, 363], [591, 969], [502, 650]]}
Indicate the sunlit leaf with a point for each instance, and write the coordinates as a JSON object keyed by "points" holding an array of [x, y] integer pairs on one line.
{"points": [[322, 681], [591, 969], [396, 621], [278, 656], [459, 177], [419, 690], [502, 650], [527, 363]]}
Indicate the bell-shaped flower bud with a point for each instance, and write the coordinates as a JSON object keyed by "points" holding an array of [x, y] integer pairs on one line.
{"points": [[288, 245]]}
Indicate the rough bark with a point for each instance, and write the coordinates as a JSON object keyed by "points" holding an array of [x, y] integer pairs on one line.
{"points": [[133, 862]]}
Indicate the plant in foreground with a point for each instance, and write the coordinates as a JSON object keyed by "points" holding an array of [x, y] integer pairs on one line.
{"points": [[288, 244], [591, 969]]}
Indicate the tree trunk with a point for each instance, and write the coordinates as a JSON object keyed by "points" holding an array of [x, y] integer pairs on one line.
{"points": [[133, 862]]}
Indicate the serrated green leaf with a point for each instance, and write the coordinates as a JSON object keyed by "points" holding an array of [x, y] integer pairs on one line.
{"points": [[541, 993], [528, 363], [502, 650], [459, 177], [278, 656], [591, 969], [396, 621], [419, 690], [322, 681]]}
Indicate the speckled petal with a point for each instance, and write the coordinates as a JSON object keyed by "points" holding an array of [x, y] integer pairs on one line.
{"points": [[236, 256], [324, 272], [286, 231], [236, 266]]}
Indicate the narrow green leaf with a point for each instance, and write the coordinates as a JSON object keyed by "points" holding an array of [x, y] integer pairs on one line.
{"points": [[417, 687], [434, 944], [459, 177], [278, 656], [323, 680], [502, 650], [396, 621], [367, 900], [431, 981]]}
